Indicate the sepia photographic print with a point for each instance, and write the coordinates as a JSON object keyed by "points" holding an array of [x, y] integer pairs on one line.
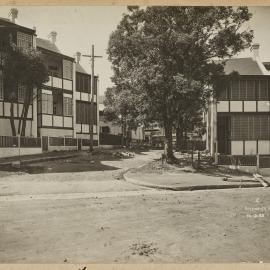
{"points": [[134, 135]]}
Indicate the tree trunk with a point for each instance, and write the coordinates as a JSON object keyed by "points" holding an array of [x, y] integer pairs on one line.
{"points": [[20, 121], [123, 136], [179, 137], [12, 124], [25, 111], [168, 144]]}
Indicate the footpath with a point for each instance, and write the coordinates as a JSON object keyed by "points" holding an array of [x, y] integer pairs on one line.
{"points": [[47, 156], [191, 180]]}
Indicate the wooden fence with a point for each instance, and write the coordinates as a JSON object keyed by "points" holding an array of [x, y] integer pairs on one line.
{"points": [[260, 161], [26, 142], [31, 142], [9, 141]]}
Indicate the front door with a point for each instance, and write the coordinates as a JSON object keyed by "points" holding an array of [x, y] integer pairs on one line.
{"points": [[224, 134]]}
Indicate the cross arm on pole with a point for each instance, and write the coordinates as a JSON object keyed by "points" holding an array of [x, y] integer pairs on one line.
{"points": [[90, 56]]}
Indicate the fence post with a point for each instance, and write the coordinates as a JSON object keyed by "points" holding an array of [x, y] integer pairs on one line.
{"points": [[199, 159], [192, 153], [19, 146], [258, 163]]}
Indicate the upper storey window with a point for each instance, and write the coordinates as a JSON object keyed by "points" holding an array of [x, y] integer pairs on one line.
{"points": [[67, 69], [83, 83], [24, 41], [251, 89]]}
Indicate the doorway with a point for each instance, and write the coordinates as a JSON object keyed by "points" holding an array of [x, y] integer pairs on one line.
{"points": [[224, 134]]}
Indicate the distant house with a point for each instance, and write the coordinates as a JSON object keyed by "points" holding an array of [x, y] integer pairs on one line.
{"points": [[238, 120], [108, 127]]}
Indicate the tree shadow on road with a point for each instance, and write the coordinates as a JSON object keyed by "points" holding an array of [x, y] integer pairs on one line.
{"points": [[84, 162]]}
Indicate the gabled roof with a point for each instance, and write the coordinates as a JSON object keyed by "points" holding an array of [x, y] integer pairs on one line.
{"points": [[244, 66], [9, 23], [47, 45], [80, 69]]}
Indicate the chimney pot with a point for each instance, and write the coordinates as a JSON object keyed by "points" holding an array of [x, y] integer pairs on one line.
{"points": [[14, 14], [78, 57], [52, 37], [255, 48]]}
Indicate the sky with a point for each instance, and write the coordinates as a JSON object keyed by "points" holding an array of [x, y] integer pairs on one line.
{"points": [[78, 27]]}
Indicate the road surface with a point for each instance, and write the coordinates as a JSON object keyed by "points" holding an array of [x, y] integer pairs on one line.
{"points": [[91, 217]]}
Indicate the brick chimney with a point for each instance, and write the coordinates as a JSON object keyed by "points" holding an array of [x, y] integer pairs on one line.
{"points": [[52, 37], [78, 57], [255, 48], [14, 14]]}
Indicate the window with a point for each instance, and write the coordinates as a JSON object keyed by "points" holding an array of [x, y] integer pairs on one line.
{"points": [[82, 112], [67, 106], [250, 127], [21, 92], [86, 84], [1, 86], [24, 41], [250, 95], [263, 90], [67, 69], [243, 90], [223, 94], [57, 102], [248, 90], [47, 103], [235, 90], [83, 83]]}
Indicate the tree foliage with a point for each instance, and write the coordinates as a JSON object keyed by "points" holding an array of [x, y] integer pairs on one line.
{"points": [[167, 57], [25, 67]]}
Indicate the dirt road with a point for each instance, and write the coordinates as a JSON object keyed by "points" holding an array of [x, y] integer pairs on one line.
{"points": [[110, 221]]}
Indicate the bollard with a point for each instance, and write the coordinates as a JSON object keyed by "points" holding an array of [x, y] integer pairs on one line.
{"points": [[216, 159]]}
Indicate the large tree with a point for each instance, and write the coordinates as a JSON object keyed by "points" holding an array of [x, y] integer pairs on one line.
{"points": [[168, 53], [23, 67]]}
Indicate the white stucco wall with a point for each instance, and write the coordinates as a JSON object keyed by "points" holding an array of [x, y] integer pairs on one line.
{"points": [[236, 106], [249, 106], [237, 147], [56, 132], [223, 106], [250, 147]]}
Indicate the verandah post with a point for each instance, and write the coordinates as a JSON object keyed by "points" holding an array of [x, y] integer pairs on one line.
{"points": [[258, 163]]}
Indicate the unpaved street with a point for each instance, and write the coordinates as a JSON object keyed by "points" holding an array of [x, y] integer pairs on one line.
{"points": [[91, 217]]}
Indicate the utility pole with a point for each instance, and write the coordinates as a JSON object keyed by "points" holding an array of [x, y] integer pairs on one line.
{"points": [[92, 113]]}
